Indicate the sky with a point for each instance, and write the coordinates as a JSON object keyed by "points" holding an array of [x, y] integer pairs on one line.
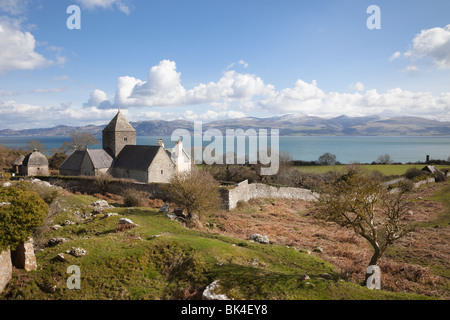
{"points": [[203, 60]]}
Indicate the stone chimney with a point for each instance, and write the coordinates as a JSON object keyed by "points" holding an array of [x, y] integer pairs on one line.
{"points": [[160, 143], [428, 159]]}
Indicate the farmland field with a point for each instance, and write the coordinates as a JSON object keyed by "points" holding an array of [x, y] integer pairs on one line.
{"points": [[387, 170]]}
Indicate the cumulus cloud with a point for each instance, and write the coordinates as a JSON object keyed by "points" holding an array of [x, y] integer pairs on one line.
{"points": [[308, 99], [358, 86], [105, 4], [163, 88], [98, 99], [433, 43], [17, 48], [235, 94]]}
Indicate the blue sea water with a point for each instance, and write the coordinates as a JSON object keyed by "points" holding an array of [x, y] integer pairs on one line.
{"points": [[308, 148]]}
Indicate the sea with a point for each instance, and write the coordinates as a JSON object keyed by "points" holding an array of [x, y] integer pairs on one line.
{"points": [[348, 149]]}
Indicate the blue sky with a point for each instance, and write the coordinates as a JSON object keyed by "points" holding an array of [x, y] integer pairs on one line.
{"points": [[209, 60]]}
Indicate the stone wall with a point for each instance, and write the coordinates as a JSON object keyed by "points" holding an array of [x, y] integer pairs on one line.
{"points": [[5, 268], [244, 192]]}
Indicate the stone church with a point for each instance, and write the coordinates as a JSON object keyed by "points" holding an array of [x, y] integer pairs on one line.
{"points": [[120, 157]]}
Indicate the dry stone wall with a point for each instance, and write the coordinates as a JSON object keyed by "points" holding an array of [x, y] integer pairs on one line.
{"points": [[245, 192]]}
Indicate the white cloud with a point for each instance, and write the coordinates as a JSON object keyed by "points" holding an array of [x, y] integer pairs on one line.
{"points": [[433, 43], [13, 7], [411, 68], [106, 4], [99, 99], [308, 99], [17, 48], [18, 115], [240, 62], [235, 94], [163, 88], [396, 55], [358, 86]]}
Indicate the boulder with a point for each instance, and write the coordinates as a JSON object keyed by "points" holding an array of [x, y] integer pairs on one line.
{"points": [[55, 241], [164, 208], [78, 252], [127, 221], [260, 239], [7, 185], [209, 293]]}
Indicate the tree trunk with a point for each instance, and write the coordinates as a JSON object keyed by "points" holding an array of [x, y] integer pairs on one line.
{"points": [[373, 262]]}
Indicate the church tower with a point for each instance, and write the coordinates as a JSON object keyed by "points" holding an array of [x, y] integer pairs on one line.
{"points": [[117, 134]]}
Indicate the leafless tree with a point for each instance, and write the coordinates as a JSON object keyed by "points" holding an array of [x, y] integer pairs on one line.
{"points": [[357, 199], [80, 141]]}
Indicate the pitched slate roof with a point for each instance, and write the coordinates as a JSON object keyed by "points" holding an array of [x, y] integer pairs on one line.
{"points": [[119, 124], [100, 158], [136, 157], [19, 161], [35, 159], [73, 162]]}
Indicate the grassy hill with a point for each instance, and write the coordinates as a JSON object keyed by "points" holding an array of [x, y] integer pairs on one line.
{"points": [[162, 259]]}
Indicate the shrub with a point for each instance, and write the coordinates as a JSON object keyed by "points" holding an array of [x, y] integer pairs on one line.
{"points": [[25, 212], [135, 198], [413, 173], [194, 191]]}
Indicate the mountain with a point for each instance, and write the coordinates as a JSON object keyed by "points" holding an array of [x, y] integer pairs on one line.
{"points": [[288, 125]]}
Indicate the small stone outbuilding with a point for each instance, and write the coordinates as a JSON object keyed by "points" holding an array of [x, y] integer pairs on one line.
{"points": [[33, 164]]}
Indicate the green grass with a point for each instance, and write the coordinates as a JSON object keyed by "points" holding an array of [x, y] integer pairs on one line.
{"points": [[387, 170], [178, 264]]}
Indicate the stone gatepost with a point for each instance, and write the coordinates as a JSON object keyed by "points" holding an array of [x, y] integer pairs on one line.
{"points": [[5, 268], [23, 257]]}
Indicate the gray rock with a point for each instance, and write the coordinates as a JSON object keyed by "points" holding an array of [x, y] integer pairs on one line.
{"points": [[318, 249], [127, 221], [78, 252], [259, 238], [56, 227], [112, 214], [209, 293], [55, 241], [164, 208], [7, 185], [60, 257], [4, 204], [304, 277], [68, 223]]}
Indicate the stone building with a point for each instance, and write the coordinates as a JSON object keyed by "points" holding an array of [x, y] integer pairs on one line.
{"points": [[120, 157], [33, 164]]}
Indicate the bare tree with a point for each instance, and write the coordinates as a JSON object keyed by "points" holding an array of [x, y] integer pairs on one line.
{"points": [[384, 159], [80, 141], [34, 144], [357, 199], [195, 191]]}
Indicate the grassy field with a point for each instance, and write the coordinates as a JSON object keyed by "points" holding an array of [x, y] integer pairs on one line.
{"points": [[387, 170], [162, 259]]}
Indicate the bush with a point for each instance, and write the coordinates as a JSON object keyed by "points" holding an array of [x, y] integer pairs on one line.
{"points": [[134, 198], [194, 191], [25, 212], [413, 173]]}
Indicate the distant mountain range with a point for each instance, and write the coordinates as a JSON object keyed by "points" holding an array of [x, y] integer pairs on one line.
{"points": [[288, 125]]}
